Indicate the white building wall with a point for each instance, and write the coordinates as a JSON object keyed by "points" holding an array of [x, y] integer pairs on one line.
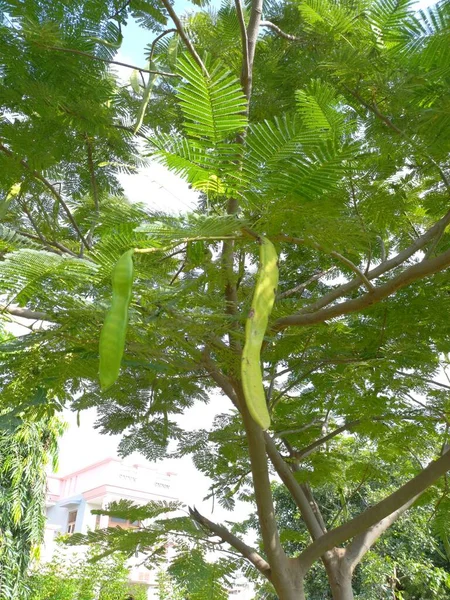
{"points": [[96, 487]]}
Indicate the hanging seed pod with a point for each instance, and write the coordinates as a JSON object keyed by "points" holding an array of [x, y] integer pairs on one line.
{"points": [[255, 328], [112, 336]]}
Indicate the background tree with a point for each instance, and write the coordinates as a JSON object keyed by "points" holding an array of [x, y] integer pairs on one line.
{"points": [[409, 561], [79, 577], [27, 448], [340, 157]]}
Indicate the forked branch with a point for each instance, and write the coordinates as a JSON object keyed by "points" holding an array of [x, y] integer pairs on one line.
{"points": [[107, 60], [384, 267], [370, 517], [224, 534], [409, 275]]}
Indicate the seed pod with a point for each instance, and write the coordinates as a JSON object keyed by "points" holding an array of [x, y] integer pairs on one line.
{"points": [[255, 328], [112, 336]]}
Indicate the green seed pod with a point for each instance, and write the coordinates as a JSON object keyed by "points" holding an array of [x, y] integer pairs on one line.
{"points": [[255, 328], [112, 336]]}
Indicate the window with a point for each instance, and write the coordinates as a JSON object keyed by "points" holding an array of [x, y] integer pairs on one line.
{"points": [[123, 523], [71, 521], [117, 520]]}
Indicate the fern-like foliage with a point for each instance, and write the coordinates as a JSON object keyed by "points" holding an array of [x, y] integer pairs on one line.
{"points": [[212, 106], [188, 561], [11, 240], [426, 36]]}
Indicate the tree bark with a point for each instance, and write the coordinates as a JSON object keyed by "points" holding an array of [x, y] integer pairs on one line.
{"points": [[290, 586], [339, 574], [292, 593], [373, 515]]}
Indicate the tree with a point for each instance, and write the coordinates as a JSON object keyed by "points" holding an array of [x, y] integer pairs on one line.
{"points": [[26, 449], [81, 577], [333, 145], [409, 561]]}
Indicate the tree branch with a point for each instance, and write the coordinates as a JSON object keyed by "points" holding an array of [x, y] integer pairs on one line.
{"points": [[287, 36], [252, 35], [184, 37], [156, 40], [354, 268], [302, 286], [246, 67], [373, 515], [347, 262], [40, 238], [25, 313], [409, 275], [430, 381], [314, 423], [263, 493], [93, 187], [107, 60], [222, 381], [382, 268], [223, 533], [50, 187], [307, 450], [375, 110], [298, 495], [362, 543]]}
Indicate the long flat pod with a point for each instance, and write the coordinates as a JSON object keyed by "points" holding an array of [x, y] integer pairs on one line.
{"points": [[112, 336], [255, 329]]}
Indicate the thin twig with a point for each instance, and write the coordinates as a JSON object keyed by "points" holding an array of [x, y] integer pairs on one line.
{"points": [[107, 60], [94, 188], [121, 9], [156, 40], [40, 237], [375, 110], [184, 37], [287, 36], [302, 286], [334, 253], [175, 277], [352, 494], [284, 432], [431, 381], [58, 245], [50, 187]]}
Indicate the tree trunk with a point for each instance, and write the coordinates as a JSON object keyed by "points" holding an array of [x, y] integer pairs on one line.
{"points": [[342, 589], [339, 575], [289, 582], [291, 592]]}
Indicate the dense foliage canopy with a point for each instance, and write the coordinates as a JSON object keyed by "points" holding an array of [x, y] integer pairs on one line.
{"points": [[321, 125]]}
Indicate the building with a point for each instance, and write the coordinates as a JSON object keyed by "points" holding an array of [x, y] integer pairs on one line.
{"points": [[72, 498]]}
